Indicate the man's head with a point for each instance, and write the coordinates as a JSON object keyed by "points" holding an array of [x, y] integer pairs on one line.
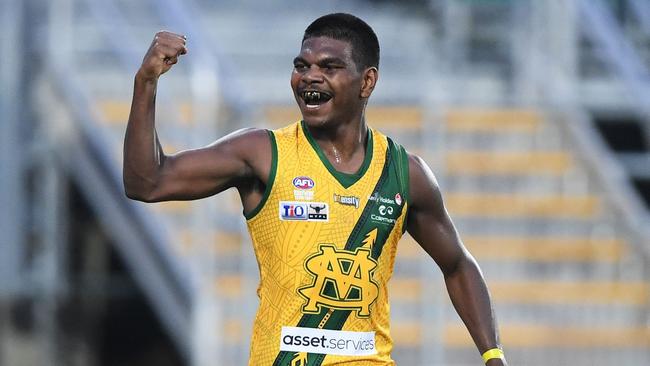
{"points": [[336, 70], [348, 28]]}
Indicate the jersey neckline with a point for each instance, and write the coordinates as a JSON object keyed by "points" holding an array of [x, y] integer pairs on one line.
{"points": [[345, 179]]}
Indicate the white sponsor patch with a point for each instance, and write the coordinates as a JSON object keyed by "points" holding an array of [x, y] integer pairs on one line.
{"points": [[328, 342], [293, 210], [304, 211], [318, 211]]}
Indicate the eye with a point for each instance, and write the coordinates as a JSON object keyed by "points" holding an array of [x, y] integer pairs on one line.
{"points": [[331, 68], [299, 66]]}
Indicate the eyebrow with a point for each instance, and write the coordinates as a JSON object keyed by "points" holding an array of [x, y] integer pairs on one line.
{"points": [[331, 60], [326, 60]]}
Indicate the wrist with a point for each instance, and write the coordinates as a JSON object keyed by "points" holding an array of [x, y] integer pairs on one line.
{"points": [[496, 362], [143, 77], [493, 357]]}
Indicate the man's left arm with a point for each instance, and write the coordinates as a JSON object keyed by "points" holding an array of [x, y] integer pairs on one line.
{"points": [[430, 225]]}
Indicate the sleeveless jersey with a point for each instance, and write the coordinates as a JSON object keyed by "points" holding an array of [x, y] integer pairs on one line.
{"points": [[325, 243]]}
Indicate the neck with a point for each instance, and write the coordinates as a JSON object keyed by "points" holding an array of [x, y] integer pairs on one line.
{"points": [[341, 141], [344, 145]]}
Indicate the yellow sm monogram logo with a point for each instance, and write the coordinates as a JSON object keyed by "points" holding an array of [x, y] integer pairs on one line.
{"points": [[342, 279]]}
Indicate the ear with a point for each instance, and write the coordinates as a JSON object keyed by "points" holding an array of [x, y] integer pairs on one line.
{"points": [[369, 80]]}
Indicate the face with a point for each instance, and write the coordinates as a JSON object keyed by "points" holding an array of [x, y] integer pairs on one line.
{"points": [[326, 83]]}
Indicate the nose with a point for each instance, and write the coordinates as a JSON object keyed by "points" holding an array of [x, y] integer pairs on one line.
{"points": [[313, 74]]}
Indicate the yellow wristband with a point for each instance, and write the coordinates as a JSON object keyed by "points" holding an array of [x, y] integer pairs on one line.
{"points": [[493, 353]]}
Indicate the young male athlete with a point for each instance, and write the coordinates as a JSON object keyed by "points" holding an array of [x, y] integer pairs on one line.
{"points": [[326, 200]]}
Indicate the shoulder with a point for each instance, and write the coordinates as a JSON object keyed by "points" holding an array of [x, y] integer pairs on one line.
{"points": [[248, 135], [247, 151], [422, 182], [245, 142], [418, 168]]}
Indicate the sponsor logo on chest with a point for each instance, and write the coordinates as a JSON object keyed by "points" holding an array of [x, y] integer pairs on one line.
{"points": [[347, 200], [381, 199], [305, 341], [303, 182], [386, 208], [303, 211], [303, 188]]}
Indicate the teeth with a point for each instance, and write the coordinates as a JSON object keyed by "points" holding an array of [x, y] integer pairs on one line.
{"points": [[312, 95]]}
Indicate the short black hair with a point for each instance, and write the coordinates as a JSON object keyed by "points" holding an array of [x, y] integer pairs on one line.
{"points": [[348, 28]]}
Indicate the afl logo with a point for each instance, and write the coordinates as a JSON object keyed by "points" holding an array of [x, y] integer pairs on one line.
{"points": [[303, 183]]}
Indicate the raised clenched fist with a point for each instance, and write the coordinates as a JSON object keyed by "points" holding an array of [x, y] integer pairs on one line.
{"points": [[164, 51]]}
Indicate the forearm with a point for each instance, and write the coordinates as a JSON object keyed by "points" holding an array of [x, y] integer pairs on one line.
{"points": [[470, 296], [143, 155]]}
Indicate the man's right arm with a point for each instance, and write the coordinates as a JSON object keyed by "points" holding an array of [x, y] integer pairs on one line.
{"points": [[150, 175], [430, 225]]}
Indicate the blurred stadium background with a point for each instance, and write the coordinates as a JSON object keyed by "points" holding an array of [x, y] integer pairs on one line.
{"points": [[533, 114]]}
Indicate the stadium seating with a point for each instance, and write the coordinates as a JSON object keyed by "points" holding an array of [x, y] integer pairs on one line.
{"points": [[564, 277]]}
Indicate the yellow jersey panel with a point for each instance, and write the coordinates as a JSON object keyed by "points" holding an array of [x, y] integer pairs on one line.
{"points": [[325, 243]]}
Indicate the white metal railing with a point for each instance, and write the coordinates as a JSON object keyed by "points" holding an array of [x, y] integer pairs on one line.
{"points": [[602, 28], [611, 178], [137, 235], [111, 21], [210, 65], [211, 80], [12, 151]]}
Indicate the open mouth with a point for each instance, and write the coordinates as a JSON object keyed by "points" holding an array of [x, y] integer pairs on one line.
{"points": [[314, 99]]}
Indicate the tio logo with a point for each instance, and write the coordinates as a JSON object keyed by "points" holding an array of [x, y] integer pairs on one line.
{"points": [[293, 211]]}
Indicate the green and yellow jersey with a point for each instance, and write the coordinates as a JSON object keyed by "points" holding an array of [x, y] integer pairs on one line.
{"points": [[325, 243]]}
